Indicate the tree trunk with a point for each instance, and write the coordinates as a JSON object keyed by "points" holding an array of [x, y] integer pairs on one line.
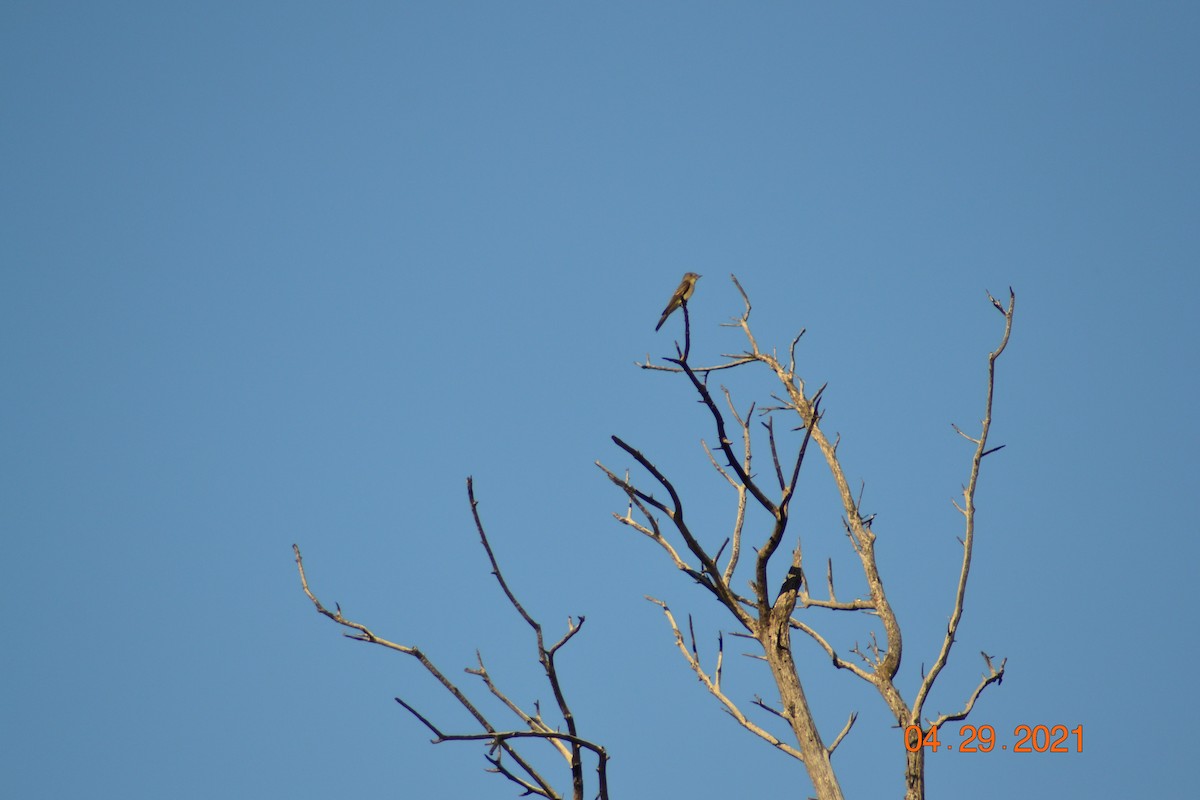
{"points": [[914, 775], [777, 644]]}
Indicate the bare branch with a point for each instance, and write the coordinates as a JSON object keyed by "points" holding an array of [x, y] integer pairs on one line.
{"points": [[842, 735], [500, 738], [739, 520], [769, 425], [634, 492], [712, 577], [995, 675], [363, 634], [745, 298], [545, 657], [758, 701], [968, 512], [790, 490], [535, 723], [959, 431], [723, 440], [487, 546], [736, 361], [791, 584], [715, 689], [653, 532], [505, 735]]}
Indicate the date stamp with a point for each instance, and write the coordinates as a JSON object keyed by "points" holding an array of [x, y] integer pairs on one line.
{"points": [[982, 739]]}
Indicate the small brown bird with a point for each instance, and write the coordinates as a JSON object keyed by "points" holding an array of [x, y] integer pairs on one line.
{"points": [[681, 296]]}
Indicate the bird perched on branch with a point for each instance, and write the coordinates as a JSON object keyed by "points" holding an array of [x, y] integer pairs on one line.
{"points": [[681, 296]]}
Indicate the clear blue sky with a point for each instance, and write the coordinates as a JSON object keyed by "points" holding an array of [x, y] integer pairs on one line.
{"points": [[289, 272]]}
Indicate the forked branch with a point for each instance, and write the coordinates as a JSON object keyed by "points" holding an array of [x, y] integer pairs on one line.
{"points": [[713, 684], [517, 768], [995, 674]]}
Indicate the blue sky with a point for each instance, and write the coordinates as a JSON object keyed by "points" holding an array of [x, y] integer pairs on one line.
{"points": [[289, 272]]}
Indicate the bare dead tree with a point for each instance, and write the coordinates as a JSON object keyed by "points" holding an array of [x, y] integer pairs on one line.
{"points": [[769, 613], [504, 754]]}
